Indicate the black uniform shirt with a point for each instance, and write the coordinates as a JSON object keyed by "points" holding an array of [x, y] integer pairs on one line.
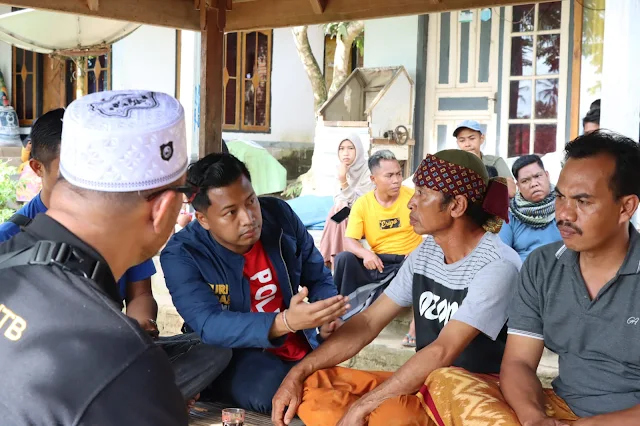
{"points": [[68, 356]]}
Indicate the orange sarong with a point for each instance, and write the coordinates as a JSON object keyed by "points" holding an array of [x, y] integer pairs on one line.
{"points": [[449, 397], [455, 397], [329, 393]]}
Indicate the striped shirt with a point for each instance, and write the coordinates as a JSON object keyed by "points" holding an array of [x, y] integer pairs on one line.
{"points": [[475, 290]]}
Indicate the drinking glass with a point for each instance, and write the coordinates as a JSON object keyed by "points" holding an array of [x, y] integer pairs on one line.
{"points": [[232, 417]]}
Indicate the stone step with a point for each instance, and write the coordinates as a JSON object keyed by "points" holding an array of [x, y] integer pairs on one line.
{"points": [[385, 353]]}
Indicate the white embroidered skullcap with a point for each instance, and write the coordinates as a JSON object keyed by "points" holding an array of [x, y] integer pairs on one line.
{"points": [[123, 141]]}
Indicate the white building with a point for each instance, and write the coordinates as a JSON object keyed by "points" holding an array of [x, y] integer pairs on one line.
{"points": [[517, 70], [274, 107]]}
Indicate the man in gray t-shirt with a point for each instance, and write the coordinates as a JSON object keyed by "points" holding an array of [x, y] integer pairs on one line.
{"points": [[579, 298], [475, 290], [459, 280]]}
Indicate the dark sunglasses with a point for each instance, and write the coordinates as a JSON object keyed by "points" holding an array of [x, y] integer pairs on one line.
{"points": [[190, 191]]}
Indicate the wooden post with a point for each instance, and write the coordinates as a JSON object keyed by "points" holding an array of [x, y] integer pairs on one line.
{"points": [[574, 122], [211, 75]]}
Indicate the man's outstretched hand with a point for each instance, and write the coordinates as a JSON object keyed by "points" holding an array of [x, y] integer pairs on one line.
{"points": [[302, 315], [289, 397]]}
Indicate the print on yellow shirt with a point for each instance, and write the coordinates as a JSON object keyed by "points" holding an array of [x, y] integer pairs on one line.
{"points": [[387, 230], [390, 223]]}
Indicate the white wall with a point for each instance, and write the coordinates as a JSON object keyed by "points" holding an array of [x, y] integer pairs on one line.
{"points": [[620, 84], [292, 114], [146, 60], [187, 81], [392, 42]]}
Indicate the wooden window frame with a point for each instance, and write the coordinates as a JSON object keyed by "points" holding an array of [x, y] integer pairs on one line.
{"points": [[562, 76], [37, 89], [241, 80], [70, 82], [236, 126], [108, 70]]}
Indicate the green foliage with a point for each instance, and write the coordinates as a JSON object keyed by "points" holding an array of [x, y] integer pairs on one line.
{"points": [[593, 39], [293, 190], [3, 86], [359, 43], [339, 29], [8, 186]]}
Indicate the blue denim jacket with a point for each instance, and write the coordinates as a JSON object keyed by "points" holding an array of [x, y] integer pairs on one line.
{"points": [[212, 295]]}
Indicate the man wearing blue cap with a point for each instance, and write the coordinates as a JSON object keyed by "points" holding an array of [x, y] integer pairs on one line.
{"points": [[470, 137]]}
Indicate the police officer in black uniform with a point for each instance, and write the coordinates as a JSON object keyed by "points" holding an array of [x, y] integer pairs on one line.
{"points": [[68, 356]]}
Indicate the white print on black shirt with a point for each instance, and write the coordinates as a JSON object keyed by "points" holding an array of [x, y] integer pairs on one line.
{"points": [[432, 308], [267, 292]]}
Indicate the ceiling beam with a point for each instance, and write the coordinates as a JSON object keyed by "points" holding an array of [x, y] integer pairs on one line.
{"points": [[167, 13], [247, 14], [318, 6], [93, 5], [286, 13]]}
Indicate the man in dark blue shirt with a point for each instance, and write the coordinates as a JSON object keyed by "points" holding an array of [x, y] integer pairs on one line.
{"points": [[69, 355], [134, 286]]}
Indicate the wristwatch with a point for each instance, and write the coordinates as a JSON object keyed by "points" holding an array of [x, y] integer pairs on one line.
{"points": [[152, 321]]}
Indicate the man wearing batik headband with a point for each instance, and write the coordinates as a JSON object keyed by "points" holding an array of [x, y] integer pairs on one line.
{"points": [[459, 280]]}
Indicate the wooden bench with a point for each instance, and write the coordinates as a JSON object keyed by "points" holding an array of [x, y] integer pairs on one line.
{"points": [[209, 414]]}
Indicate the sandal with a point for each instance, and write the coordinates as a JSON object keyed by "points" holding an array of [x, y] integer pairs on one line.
{"points": [[409, 341]]}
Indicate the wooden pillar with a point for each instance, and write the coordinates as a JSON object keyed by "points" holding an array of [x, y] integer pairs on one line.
{"points": [[211, 75], [575, 123]]}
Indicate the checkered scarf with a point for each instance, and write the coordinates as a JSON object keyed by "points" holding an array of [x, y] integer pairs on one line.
{"points": [[537, 215], [450, 178]]}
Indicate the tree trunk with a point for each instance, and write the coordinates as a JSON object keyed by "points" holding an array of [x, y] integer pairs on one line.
{"points": [[343, 52], [311, 66]]}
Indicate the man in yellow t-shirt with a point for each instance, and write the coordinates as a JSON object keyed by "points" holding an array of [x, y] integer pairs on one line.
{"points": [[382, 217]]}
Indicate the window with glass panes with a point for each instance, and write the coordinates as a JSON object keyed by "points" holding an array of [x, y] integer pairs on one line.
{"points": [[247, 81], [27, 85], [536, 77], [98, 75]]}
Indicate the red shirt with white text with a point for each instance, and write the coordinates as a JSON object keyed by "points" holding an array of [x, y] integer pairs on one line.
{"points": [[266, 296]]}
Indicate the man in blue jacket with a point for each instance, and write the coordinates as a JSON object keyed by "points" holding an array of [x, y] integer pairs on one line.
{"points": [[234, 276]]}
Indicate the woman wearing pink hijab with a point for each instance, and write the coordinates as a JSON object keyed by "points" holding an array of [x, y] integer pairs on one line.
{"points": [[354, 180]]}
